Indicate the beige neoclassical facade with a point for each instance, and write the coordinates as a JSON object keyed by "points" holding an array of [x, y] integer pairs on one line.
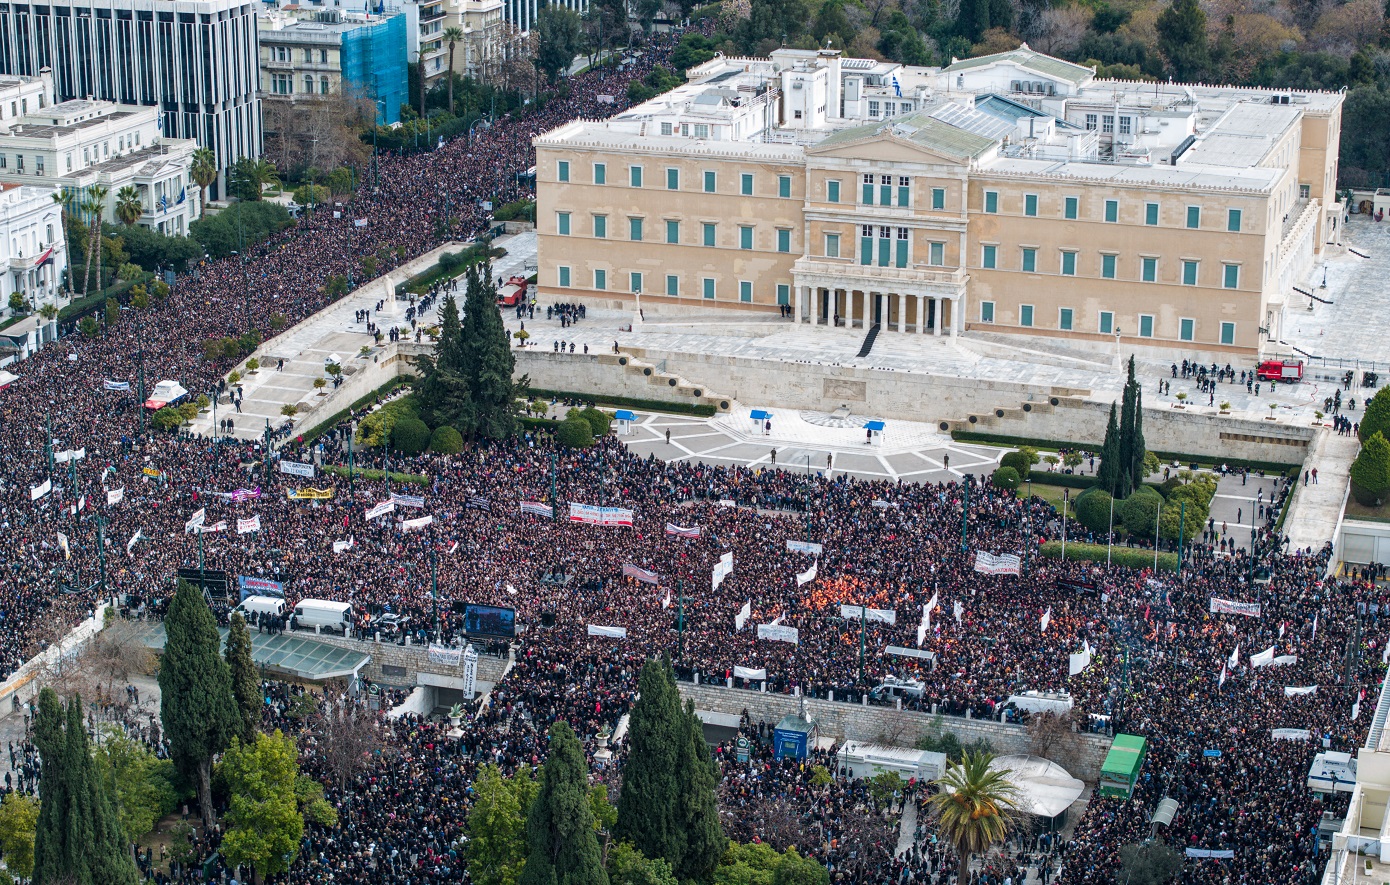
{"points": [[1012, 194]]}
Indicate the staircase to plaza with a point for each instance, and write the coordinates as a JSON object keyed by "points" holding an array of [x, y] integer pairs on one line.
{"points": [[869, 341]]}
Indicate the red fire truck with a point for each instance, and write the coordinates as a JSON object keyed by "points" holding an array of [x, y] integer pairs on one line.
{"points": [[513, 293], [1288, 371]]}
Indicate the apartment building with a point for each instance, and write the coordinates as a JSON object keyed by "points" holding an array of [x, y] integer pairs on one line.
{"points": [[193, 60], [318, 52], [1012, 194]]}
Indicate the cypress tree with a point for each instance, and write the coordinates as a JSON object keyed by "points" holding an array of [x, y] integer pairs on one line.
{"points": [[78, 836], [562, 846], [196, 702], [1124, 456], [648, 816], [1106, 476], [476, 309], [703, 841], [443, 388], [1138, 448], [494, 392], [246, 687]]}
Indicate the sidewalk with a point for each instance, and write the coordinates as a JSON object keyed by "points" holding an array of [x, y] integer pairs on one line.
{"points": [[1316, 509]]}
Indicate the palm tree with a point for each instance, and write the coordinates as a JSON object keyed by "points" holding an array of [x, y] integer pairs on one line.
{"points": [[94, 204], [128, 205], [976, 808], [452, 36], [250, 177], [203, 170]]}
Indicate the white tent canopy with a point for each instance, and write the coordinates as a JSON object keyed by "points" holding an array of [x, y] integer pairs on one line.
{"points": [[1045, 788]]}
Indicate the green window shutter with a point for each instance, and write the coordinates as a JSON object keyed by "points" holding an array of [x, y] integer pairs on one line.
{"points": [[562, 170], [600, 173], [745, 238], [866, 250], [745, 291], [1069, 264], [673, 285], [708, 285], [901, 258], [1070, 208], [1150, 270], [784, 240], [562, 223], [986, 311], [564, 277], [635, 176], [1189, 273], [1233, 220], [1151, 214], [634, 281], [987, 258], [784, 185], [600, 279], [1025, 315], [991, 202], [1064, 318], [1194, 217], [868, 192], [1231, 273], [1107, 266], [673, 231], [904, 196], [1030, 204], [1146, 327], [634, 229], [1030, 260], [709, 182], [832, 192], [1112, 211], [673, 179], [708, 237], [884, 254], [1228, 333], [745, 186], [784, 293], [938, 198], [1107, 322], [1186, 328]]}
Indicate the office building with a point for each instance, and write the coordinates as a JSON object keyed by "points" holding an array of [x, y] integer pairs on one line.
{"points": [[33, 250], [194, 60], [522, 13], [1012, 193], [334, 52]]}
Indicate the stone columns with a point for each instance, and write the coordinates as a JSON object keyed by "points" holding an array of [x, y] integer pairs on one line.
{"points": [[902, 311], [921, 314], [866, 313], [940, 315], [957, 315], [796, 312]]}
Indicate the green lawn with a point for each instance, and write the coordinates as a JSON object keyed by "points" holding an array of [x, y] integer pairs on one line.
{"points": [[1052, 495]]}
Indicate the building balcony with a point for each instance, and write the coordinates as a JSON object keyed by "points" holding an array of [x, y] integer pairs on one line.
{"points": [[845, 273], [270, 65], [431, 13]]}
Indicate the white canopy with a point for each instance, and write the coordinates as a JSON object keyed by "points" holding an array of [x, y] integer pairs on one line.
{"points": [[1044, 787]]}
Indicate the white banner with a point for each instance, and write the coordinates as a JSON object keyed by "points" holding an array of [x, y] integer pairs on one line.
{"points": [[1290, 734], [750, 673], [1077, 663], [63, 542], [1046, 618], [410, 525], [1214, 853], [69, 455], [108, 384], [537, 509], [1230, 607], [682, 531], [778, 633], [743, 615], [807, 576], [443, 654], [133, 540], [381, 509], [38, 491], [989, 564], [195, 520], [115, 496], [608, 516], [219, 526], [723, 568], [416, 501], [1293, 691], [247, 526], [340, 546], [611, 632], [1266, 658], [470, 672], [804, 547], [296, 468], [854, 612]]}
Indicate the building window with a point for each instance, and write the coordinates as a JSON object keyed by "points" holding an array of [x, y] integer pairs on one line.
{"points": [[1064, 317], [1126, 125], [562, 170], [634, 229], [873, 109], [1233, 220], [1146, 325], [673, 179], [885, 245], [634, 176], [702, 130], [1228, 333], [745, 291], [1186, 327], [1112, 211], [634, 280], [988, 256], [1091, 122], [986, 311], [1107, 123], [784, 186], [832, 245], [1189, 273], [308, 85], [564, 277], [784, 240], [673, 285], [1230, 276], [1030, 205], [666, 129], [601, 226], [1194, 217], [745, 184], [991, 202], [1107, 323], [707, 288], [600, 173], [707, 234], [709, 182], [600, 279], [1025, 315], [885, 190], [868, 191], [866, 244], [832, 191], [1069, 208], [938, 198], [1030, 260], [562, 223], [673, 232], [1304, 191], [784, 293], [1107, 266], [1068, 264], [1149, 273], [1150, 212], [745, 237], [904, 191]]}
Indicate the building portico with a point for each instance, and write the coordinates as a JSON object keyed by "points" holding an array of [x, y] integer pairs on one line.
{"points": [[842, 294]]}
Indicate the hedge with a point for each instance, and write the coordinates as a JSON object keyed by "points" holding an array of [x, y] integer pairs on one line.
{"points": [[702, 410], [97, 300], [1052, 445], [1126, 556], [417, 479], [1065, 480], [333, 420], [574, 433]]}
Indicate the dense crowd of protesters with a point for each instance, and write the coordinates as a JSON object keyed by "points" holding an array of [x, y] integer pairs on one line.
{"points": [[1162, 666]]}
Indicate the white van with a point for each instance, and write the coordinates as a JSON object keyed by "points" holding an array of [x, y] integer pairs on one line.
{"points": [[334, 617], [272, 606]]}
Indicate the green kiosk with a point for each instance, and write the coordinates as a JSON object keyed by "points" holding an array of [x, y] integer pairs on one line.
{"points": [[1121, 769]]}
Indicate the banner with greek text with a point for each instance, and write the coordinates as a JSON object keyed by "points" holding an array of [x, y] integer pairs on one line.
{"points": [[1230, 607], [641, 574], [115, 496], [779, 633], [410, 525], [989, 564], [610, 632], [416, 501], [854, 612], [804, 547], [195, 520], [743, 615], [382, 509], [247, 526], [296, 468], [38, 491], [537, 509]]}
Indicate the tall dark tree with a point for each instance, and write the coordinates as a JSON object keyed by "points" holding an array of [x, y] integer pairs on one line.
{"points": [[648, 816], [246, 685], [1137, 450], [702, 839], [443, 387], [1182, 37], [78, 837], [487, 361], [196, 702], [559, 38], [1124, 477], [1107, 477], [562, 845]]}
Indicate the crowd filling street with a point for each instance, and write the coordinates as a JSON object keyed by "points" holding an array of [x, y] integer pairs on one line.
{"points": [[1163, 665]]}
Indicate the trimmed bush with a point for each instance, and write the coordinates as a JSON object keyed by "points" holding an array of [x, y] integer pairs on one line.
{"points": [[599, 422], [1139, 512], [1370, 472], [375, 429], [1093, 509], [1021, 461], [1126, 556], [652, 405], [410, 436], [1006, 478], [574, 433], [1377, 416], [446, 440]]}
